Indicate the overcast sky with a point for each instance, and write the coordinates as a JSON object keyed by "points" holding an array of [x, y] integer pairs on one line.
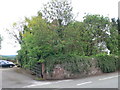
{"points": [[15, 10]]}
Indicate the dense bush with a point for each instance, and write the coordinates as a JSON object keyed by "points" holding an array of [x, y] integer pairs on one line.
{"points": [[81, 64], [107, 63], [70, 62]]}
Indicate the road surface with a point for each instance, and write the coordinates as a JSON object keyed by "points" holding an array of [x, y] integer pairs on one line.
{"points": [[13, 79]]}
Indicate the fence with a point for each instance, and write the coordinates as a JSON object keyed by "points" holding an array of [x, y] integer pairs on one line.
{"points": [[37, 70]]}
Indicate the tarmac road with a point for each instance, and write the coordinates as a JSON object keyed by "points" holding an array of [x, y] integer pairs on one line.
{"points": [[102, 81], [13, 79]]}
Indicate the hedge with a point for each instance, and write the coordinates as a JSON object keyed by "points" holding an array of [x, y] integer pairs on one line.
{"points": [[108, 63], [72, 63], [80, 64]]}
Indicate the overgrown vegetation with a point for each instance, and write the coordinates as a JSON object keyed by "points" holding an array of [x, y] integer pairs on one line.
{"points": [[82, 64], [72, 63], [54, 37], [108, 63]]}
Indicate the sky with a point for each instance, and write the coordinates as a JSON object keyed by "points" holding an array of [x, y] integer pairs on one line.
{"points": [[15, 10]]}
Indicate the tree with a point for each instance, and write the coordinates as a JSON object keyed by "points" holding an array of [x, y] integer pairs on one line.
{"points": [[97, 31], [16, 32], [38, 41], [112, 40], [60, 14], [59, 11], [0, 41], [74, 38]]}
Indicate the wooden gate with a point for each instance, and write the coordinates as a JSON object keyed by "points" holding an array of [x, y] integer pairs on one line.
{"points": [[37, 70]]}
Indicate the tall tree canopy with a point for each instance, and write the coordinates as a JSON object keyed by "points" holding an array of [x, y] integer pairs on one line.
{"points": [[38, 40], [112, 40], [58, 10], [97, 28]]}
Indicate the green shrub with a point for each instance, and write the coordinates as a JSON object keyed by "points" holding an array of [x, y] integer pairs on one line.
{"points": [[70, 62], [107, 63]]}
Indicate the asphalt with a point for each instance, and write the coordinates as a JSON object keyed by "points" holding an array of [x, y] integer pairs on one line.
{"points": [[103, 81], [14, 79]]}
